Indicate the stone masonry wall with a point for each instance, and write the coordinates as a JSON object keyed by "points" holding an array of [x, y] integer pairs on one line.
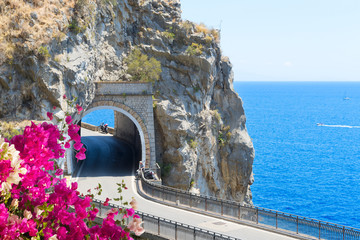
{"points": [[136, 99]]}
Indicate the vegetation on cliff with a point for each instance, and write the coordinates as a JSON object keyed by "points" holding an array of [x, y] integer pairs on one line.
{"points": [[28, 25], [141, 67]]}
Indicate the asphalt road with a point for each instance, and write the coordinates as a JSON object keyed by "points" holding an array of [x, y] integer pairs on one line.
{"points": [[109, 161], [106, 156]]}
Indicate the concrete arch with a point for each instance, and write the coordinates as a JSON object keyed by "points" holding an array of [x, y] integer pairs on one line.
{"points": [[135, 118]]}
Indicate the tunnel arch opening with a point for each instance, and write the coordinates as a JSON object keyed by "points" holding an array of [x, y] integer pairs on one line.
{"points": [[128, 126]]}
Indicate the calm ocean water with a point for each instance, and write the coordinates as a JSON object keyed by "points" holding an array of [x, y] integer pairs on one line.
{"points": [[301, 168], [100, 116]]}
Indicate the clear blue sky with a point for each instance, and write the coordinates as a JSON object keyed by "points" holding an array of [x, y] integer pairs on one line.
{"points": [[285, 40]]}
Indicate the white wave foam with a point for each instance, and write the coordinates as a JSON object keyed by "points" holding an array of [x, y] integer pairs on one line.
{"points": [[338, 126]]}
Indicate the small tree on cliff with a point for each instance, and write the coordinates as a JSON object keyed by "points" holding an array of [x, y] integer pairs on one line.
{"points": [[141, 68]]}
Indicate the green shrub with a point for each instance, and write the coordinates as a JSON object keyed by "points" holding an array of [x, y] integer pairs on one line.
{"points": [[221, 139], [43, 52], [154, 102], [193, 144], [194, 49], [165, 169], [168, 35], [224, 135], [141, 68], [75, 28], [192, 182]]}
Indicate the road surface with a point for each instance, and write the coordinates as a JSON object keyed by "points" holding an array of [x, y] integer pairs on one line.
{"points": [[109, 161]]}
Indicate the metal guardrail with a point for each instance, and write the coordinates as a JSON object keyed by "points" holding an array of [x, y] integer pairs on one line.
{"points": [[164, 227], [301, 226]]}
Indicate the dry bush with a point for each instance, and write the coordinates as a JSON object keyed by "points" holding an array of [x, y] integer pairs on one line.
{"points": [[216, 34], [13, 127], [21, 31], [202, 28]]}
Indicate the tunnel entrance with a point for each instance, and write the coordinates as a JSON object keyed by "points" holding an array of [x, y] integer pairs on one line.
{"points": [[122, 126]]}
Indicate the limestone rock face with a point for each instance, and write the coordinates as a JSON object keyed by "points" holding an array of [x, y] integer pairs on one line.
{"points": [[202, 141]]}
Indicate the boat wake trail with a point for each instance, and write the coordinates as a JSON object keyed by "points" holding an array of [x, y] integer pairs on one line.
{"points": [[337, 126]]}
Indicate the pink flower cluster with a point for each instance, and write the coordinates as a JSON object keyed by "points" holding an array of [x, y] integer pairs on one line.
{"points": [[73, 130], [41, 206]]}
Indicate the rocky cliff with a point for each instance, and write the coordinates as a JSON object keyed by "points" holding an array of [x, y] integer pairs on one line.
{"points": [[53, 48]]}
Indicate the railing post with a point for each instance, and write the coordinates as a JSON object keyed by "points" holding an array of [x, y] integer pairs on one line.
{"points": [[297, 224], [175, 230], [194, 234], [319, 230], [190, 201], [205, 204], [276, 219], [159, 226], [343, 233], [239, 212], [257, 216], [222, 208]]}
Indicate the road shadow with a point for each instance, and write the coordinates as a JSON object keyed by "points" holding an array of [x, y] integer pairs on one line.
{"points": [[106, 156]]}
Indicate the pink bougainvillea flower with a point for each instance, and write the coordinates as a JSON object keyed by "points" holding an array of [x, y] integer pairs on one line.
{"points": [[81, 154], [79, 108], [135, 226], [59, 172], [78, 146], [106, 203], [54, 107], [129, 212], [50, 115], [64, 96], [68, 120], [26, 164]]}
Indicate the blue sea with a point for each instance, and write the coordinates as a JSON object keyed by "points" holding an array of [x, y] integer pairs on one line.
{"points": [[301, 168]]}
